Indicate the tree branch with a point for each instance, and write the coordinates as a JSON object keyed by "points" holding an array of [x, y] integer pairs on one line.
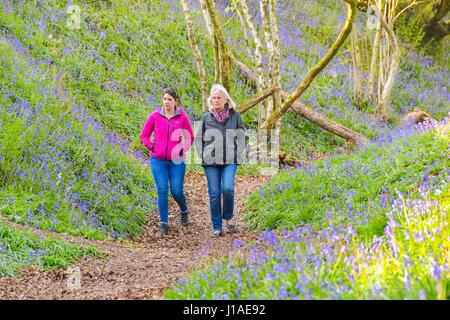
{"points": [[306, 82], [255, 99]]}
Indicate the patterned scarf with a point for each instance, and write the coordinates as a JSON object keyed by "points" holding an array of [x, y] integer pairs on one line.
{"points": [[222, 116]]}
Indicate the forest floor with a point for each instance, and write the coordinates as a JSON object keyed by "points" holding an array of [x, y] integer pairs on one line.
{"points": [[145, 267]]}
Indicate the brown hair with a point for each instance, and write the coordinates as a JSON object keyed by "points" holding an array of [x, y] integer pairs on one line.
{"points": [[172, 92]]}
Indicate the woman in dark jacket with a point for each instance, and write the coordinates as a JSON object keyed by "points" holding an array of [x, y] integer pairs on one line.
{"points": [[223, 143]]}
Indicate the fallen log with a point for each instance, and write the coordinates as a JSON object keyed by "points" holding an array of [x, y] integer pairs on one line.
{"points": [[307, 112]]}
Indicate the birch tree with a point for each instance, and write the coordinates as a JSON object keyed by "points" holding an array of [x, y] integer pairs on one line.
{"points": [[385, 58], [196, 53], [269, 89], [389, 55]]}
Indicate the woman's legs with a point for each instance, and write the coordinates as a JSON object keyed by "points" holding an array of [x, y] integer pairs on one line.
{"points": [[228, 173], [160, 171], [213, 175], [177, 173]]}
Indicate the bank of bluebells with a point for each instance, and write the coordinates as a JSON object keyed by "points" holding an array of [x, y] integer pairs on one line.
{"points": [[121, 91], [118, 61], [410, 260], [357, 188], [331, 259], [62, 170]]}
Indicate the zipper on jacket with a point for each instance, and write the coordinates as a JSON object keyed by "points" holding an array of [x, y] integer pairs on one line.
{"points": [[168, 137], [168, 134]]}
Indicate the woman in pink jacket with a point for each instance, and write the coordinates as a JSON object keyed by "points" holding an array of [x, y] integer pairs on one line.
{"points": [[172, 137]]}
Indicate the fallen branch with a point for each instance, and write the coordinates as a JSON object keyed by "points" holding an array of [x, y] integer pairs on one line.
{"points": [[307, 112]]}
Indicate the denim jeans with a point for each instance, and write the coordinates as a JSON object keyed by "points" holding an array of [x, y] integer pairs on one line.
{"points": [[165, 171], [221, 183]]}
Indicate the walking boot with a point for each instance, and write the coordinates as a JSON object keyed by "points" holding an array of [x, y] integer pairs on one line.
{"points": [[163, 229], [185, 219], [217, 234], [231, 228]]}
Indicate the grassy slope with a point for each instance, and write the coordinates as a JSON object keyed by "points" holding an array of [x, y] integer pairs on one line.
{"points": [[19, 249], [406, 259], [358, 187], [61, 170]]}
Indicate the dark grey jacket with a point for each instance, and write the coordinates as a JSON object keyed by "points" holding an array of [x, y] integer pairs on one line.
{"points": [[219, 143]]}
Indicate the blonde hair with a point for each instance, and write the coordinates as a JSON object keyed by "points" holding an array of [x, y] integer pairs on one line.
{"points": [[220, 88]]}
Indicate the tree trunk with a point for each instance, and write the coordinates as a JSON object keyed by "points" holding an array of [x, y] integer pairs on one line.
{"points": [[217, 64], [395, 57], [246, 32], [358, 92], [207, 19], [435, 29], [373, 64], [197, 54], [261, 83], [257, 57], [275, 62], [225, 63], [271, 121]]}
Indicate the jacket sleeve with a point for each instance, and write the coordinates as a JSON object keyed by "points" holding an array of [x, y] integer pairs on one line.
{"points": [[198, 142], [242, 140], [188, 134], [146, 133], [240, 123]]}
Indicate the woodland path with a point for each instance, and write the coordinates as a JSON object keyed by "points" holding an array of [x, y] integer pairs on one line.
{"points": [[146, 267]]}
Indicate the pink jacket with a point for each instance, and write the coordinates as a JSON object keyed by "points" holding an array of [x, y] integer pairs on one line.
{"points": [[168, 134]]}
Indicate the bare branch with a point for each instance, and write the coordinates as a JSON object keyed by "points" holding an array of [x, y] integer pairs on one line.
{"points": [[306, 82], [255, 99]]}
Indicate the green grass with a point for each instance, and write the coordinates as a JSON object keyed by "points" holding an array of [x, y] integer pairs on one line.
{"points": [[357, 187], [409, 261], [20, 249]]}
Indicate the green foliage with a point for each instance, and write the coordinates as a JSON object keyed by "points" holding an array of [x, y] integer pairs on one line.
{"points": [[349, 189], [411, 32], [20, 249], [61, 171]]}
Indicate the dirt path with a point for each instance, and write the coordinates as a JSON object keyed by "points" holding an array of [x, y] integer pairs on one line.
{"points": [[145, 268]]}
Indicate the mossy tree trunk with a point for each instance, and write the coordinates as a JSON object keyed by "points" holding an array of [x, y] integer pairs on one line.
{"points": [[222, 55]]}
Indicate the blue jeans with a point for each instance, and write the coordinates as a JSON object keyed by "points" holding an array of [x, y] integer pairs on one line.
{"points": [[165, 171], [220, 182]]}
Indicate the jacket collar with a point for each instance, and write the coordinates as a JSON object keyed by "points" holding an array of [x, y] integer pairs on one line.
{"points": [[177, 111]]}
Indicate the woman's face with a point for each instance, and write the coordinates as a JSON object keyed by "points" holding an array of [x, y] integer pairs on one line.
{"points": [[218, 101], [169, 102]]}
